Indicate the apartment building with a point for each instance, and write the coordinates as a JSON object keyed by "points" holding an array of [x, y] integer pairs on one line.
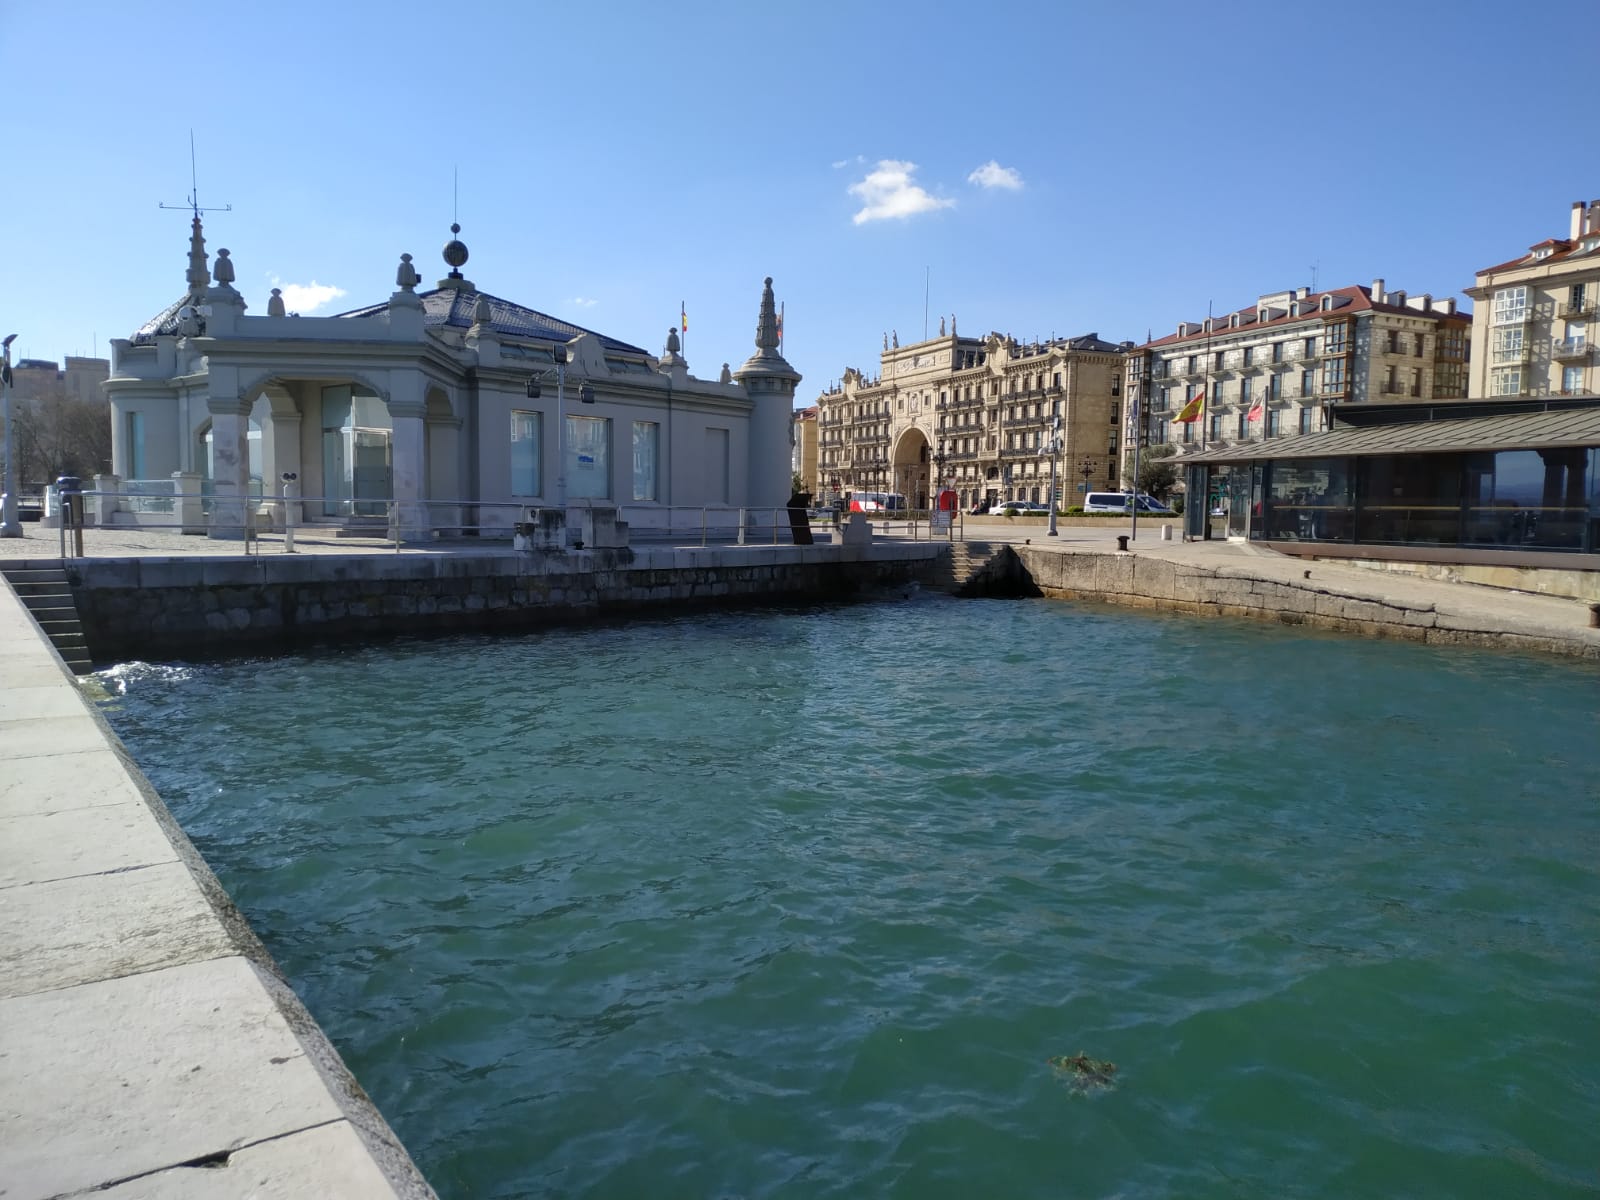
{"points": [[1533, 328], [804, 460], [984, 417], [1291, 355]]}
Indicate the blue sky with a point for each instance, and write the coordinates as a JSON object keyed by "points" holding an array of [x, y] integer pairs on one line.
{"points": [[1046, 167]]}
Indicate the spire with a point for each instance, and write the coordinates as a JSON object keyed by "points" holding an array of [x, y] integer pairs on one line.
{"points": [[198, 276], [767, 326]]}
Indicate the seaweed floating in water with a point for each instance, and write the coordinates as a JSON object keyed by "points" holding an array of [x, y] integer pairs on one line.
{"points": [[1085, 1072]]}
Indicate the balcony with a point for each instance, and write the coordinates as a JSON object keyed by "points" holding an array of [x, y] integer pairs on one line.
{"points": [[1583, 308], [1571, 349]]}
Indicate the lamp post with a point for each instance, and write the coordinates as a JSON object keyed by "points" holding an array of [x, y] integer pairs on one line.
{"points": [[9, 525], [558, 354], [1055, 452], [1086, 469]]}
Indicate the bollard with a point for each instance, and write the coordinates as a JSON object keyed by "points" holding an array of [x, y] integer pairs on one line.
{"points": [[1594, 616], [1122, 541], [1166, 533]]}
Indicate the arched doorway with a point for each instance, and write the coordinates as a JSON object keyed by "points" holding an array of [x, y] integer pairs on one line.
{"points": [[909, 468]]}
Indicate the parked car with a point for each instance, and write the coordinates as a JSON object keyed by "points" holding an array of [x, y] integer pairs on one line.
{"points": [[1019, 508], [1121, 502]]}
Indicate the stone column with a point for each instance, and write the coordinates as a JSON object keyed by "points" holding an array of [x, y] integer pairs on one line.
{"points": [[408, 447], [285, 456], [230, 466], [189, 512], [102, 511]]}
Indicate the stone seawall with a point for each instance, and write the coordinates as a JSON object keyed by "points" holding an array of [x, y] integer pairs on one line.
{"points": [[158, 607], [1264, 593]]}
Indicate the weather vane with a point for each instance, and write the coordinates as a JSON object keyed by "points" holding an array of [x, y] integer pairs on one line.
{"points": [[193, 201]]}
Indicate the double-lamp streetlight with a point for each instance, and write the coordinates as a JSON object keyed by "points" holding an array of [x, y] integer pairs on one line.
{"points": [[558, 355]]}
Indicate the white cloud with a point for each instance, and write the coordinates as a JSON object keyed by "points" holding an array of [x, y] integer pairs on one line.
{"points": [[845, 162], [889, 191], [584, 302], [993, 175], [306, 297]]}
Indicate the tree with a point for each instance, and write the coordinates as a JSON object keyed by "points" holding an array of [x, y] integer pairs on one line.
{"points": [[1157, 476], [58, 434]]}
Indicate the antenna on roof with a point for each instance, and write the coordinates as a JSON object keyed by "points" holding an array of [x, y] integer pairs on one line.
{"points": [[1314, 267], [193, 201]]}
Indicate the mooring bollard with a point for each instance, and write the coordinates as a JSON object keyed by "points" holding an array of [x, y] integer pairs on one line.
{"points": [[1166, 533], [1122, 541]]}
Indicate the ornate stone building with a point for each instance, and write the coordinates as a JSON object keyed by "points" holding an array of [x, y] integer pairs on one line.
{"points": [[805, 450], [1290, 356], [440, 409], [982, 416], [1533, 332]]}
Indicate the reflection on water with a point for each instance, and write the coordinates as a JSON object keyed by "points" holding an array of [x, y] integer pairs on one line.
{"points": [[803, 903]]}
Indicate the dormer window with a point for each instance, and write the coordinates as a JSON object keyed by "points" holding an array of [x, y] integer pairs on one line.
{"points": [[1541, 252]]}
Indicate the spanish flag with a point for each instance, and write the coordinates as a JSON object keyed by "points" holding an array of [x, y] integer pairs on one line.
{"points": [[683, 317], [1192, 410]]}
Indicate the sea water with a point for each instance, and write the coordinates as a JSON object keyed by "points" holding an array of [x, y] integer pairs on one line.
{"points": [[804, 903]]}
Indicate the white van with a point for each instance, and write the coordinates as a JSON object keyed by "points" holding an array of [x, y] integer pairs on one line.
{"points": [[1122, 502]]}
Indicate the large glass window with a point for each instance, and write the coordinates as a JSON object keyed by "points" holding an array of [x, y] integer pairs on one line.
{"points": [[1309, 500], [1510, 305], [589, 458], [1409, 499], [135, 456], [526, 443], [1543, 499], [646, 459], [1506, 382], [1506, 344], [1334, 339], [1333, 375]]}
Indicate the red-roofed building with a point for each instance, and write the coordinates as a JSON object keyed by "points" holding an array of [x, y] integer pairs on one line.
{"points": [[1288, 357], [1534, 333]]}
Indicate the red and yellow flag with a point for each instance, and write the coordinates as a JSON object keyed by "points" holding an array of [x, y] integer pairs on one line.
{"points": [[683, 318], [1192, 410]]}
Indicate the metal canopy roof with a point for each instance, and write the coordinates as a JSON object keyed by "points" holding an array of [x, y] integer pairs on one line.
{"points": [[1505, 431]]}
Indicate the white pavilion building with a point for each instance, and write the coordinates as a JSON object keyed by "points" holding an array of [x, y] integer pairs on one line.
{"points": [[435, 410]]}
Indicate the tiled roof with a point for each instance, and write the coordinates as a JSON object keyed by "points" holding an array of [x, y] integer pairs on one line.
{"points": [[1561, 250], [164, 322], [448, 307], [1346, 301], [452, 308], [1566, 427]]}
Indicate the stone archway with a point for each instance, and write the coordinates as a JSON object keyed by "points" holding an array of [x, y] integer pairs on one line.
{"points": [[909, 467]]}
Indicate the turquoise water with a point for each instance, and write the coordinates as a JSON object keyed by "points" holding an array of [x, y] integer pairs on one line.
{"points": [[802, 903]]}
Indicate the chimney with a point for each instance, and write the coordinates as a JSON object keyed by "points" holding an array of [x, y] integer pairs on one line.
{"points": [[1397, 298], [1577, 220], [1423, 302], [1377, 291], [1447, 306], [1594, 216]]}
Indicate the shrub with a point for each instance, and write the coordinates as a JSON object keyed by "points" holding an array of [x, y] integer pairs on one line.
{"points": [[1177, 505], [1075, 510]]}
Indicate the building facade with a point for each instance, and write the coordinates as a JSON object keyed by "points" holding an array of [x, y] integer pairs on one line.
{"points": [[78, 378], [444, 409], [983, 417], [1535, 319], [805, 450], [1274, 369]]}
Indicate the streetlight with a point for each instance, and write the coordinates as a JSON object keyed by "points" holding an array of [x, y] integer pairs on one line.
{"points": [[10, 527], [1055, 451], [1086, 469], [558, 354]]}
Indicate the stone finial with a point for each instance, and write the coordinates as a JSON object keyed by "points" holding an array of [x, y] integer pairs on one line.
{"points": [[481, 313], [455, 253], [726, 376], [222, 270], [673, 345], [767, 325], [406, 278], [275, 305], [197, 276], [941, 326], [885, 341], [897, 339], [952, 324]]}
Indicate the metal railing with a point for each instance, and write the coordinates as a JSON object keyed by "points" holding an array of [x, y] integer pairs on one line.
{"points": [[420, 523]]}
